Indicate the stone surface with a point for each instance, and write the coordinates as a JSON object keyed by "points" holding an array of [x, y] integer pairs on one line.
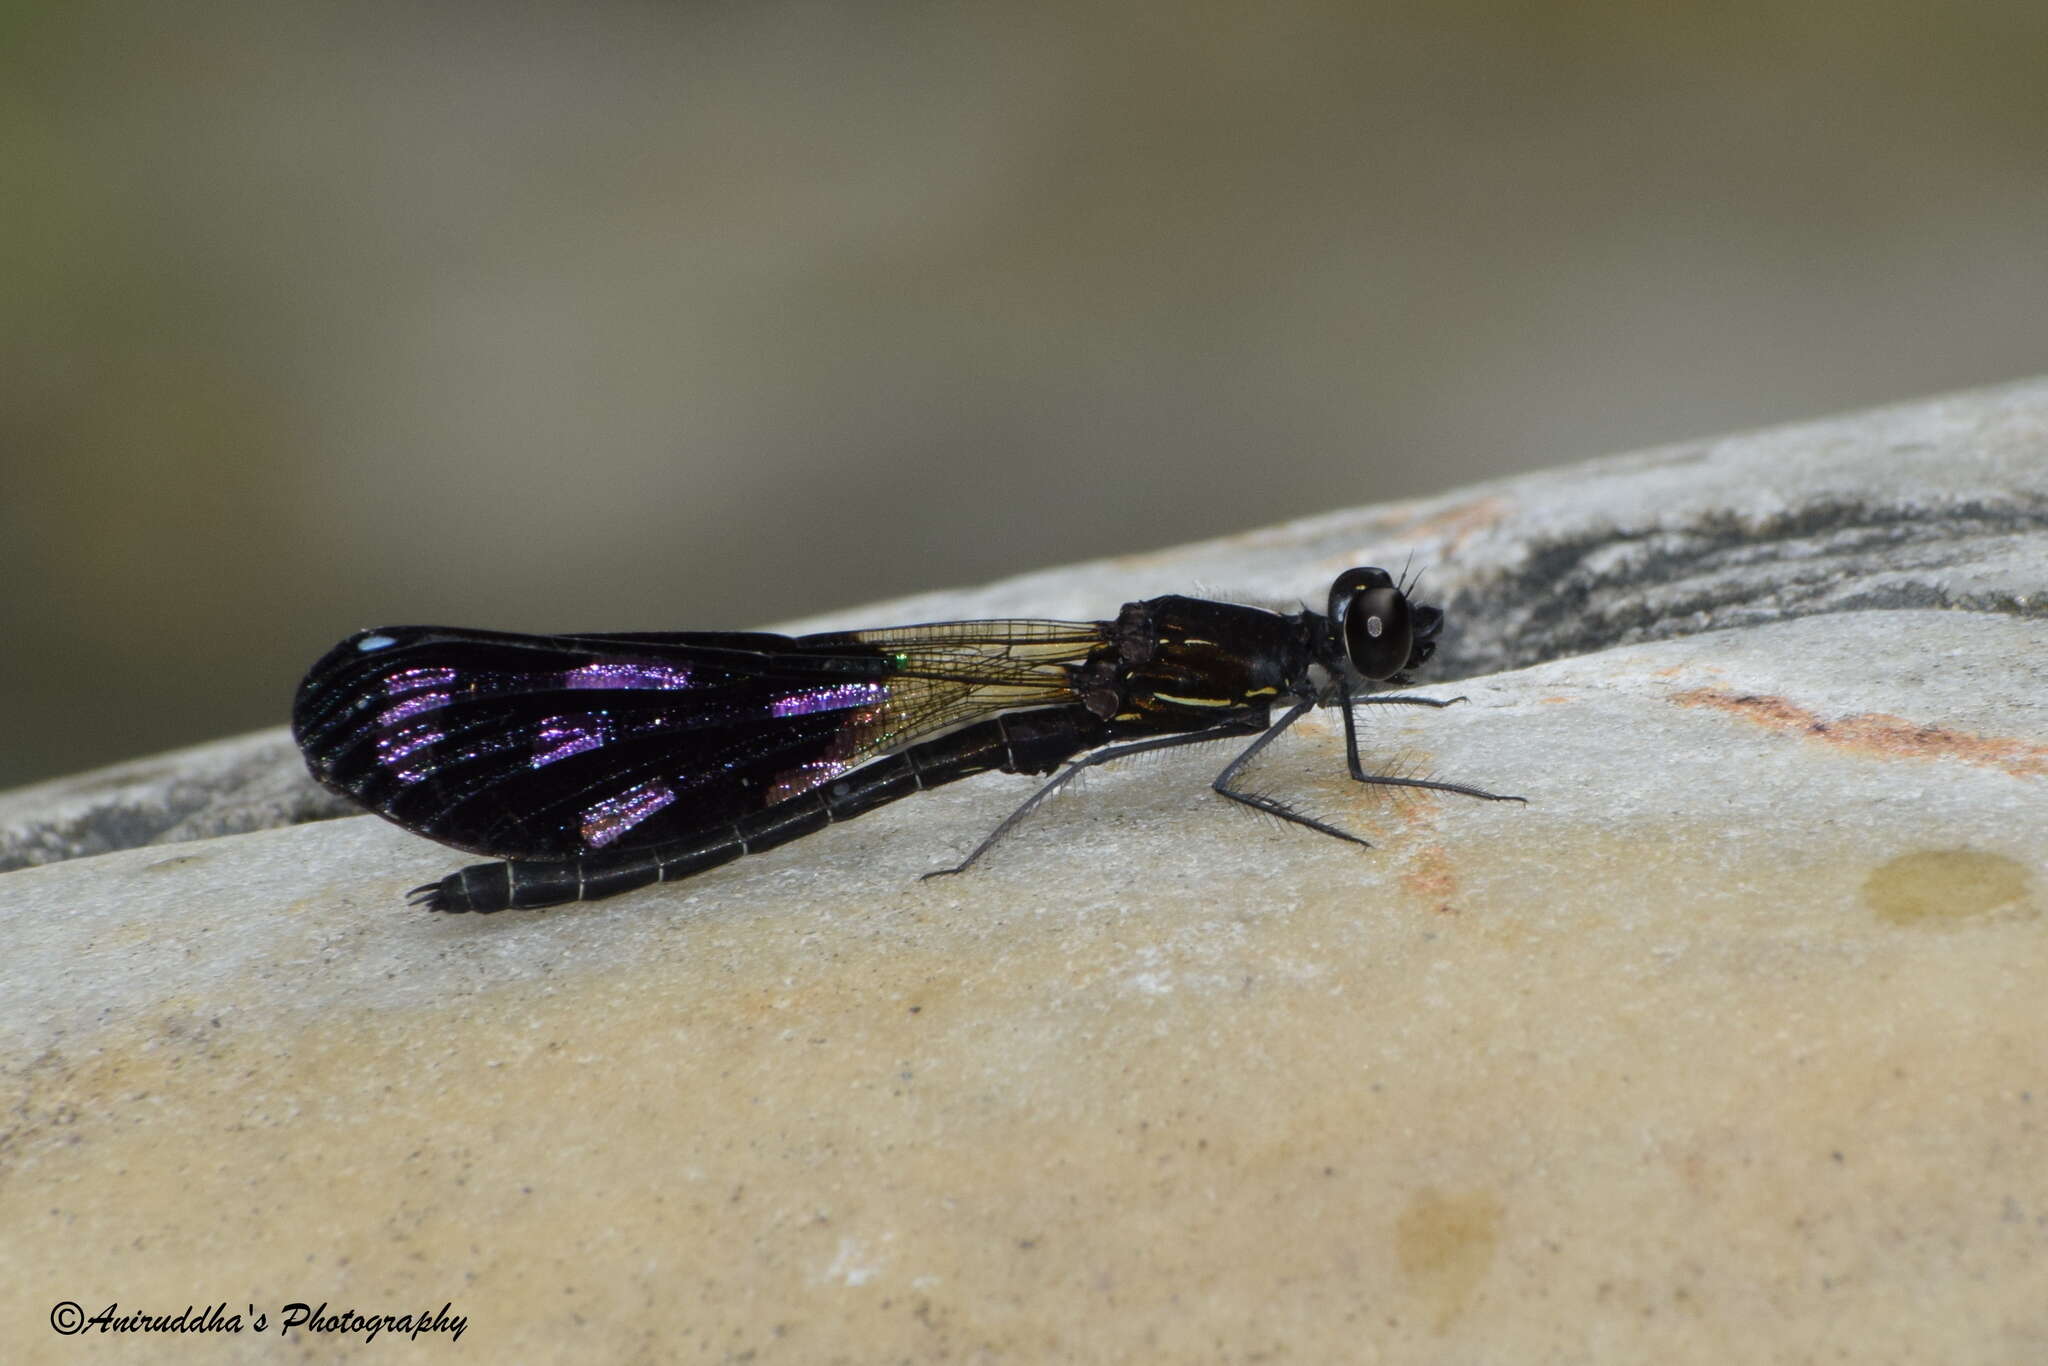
{"points": [[1727, 1047], [1942, 503], [252, 782]]}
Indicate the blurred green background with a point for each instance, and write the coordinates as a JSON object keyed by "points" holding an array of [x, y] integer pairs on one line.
{"points": [[622, 316]]}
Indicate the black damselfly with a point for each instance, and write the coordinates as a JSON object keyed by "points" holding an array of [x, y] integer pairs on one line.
{"points": [[595, 764]]}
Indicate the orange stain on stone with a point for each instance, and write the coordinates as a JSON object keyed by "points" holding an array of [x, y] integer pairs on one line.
{"points": [[1876, 732], [1432, 878], [1460, 522]]}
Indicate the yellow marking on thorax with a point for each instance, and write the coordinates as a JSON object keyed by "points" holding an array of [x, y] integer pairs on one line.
{"points": [[1171, 700]]}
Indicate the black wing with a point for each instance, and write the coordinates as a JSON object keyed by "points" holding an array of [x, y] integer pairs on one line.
{"points": [[547, 747]]}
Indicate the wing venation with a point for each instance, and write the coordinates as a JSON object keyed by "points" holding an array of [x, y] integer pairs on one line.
{"points": [[550, 746]]}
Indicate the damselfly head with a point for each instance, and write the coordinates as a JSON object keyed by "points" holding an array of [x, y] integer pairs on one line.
{"points": [[1371, 620]]}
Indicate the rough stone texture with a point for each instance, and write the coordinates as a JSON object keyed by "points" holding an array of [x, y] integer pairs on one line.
{"points": [[1935, 504], [1726, 1048], [252, 782]]}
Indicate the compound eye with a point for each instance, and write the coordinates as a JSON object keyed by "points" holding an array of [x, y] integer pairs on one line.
{"points": [[1426, 622], [1377, 633]]}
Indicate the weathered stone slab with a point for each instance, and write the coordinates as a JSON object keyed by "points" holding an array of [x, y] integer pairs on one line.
{"points": [[230, 787], [1942, 503], [1727, 1047]]}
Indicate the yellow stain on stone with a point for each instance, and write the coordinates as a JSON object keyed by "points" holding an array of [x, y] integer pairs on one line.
{"points": [[1945, 888], [1445, 1244]]}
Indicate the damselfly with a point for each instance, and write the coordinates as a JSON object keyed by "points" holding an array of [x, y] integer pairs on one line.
{"points": [[594, 764]]}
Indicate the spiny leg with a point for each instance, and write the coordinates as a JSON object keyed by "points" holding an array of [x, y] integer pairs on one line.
{"points": [[1073, 771], [1346, 702], [1272, 805]]}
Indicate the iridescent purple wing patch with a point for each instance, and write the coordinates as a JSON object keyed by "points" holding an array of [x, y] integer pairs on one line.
{"points": [[839, 697], [559, 737], [614, 674], [603, 823]]}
